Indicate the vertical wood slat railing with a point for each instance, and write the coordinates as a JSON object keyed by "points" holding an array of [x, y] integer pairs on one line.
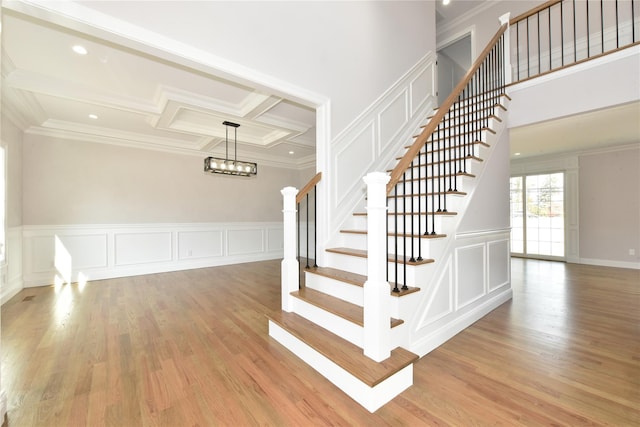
{"points": [[440, 154], [560, 33]]}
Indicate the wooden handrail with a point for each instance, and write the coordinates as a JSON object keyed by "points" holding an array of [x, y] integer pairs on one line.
{"points": [[312, 183], [422, 139], [533, 11]]}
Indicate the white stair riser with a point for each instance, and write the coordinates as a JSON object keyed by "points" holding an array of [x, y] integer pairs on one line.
{"points": [[335, 324], [345, 291], [372, 398]]}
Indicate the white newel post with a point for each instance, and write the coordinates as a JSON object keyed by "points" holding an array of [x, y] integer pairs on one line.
{"points": [[508, 72], [289, 269], [377, 328]]}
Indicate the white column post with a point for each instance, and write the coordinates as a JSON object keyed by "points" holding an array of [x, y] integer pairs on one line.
{"points": [[377, 327], [289, 267], [508, 72]]}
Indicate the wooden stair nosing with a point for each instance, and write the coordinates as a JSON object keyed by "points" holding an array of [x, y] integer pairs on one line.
{"points": [[437, 193], [391, 234], [457, 135], [361, 253], [448, 213], [455, 147], [348, 356], [456, 117], [457, 159], [346, 310]]}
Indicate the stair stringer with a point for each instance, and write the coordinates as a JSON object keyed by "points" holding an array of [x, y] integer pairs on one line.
{"points": [[429, 325]]}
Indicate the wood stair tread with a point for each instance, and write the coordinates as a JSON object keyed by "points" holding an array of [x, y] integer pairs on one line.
{"points": [[346, 310], [422, 236], [361, 253], [345, 354]]}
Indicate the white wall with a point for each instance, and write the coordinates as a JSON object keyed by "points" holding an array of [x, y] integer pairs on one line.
{"points": [[12, 140], [76, 182], [482, 20], [602, 206], [610, 207], [349, 52]]}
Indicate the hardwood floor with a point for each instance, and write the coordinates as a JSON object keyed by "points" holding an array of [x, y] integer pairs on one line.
{"points": [[191, 348]]}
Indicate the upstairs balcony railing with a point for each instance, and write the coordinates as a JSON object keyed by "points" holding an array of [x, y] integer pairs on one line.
{"points": [[560, 33]]}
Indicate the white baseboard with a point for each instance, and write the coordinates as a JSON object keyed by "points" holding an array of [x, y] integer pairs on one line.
{"points": [[610, 263], [11, 289]]}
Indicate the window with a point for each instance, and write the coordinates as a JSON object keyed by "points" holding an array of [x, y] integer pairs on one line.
{"points": [[537, 215]]}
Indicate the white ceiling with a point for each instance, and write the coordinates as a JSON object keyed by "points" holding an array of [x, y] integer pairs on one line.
{"points": [[141, 101], [600, 129], [146, 102]]}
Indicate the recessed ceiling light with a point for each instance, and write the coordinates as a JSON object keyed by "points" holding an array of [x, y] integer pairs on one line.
{"points": [[446, 2], [290, 152], [93, 116], [80, 50], [516, 154]]}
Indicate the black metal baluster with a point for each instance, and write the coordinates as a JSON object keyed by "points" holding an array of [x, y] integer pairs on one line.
{"points": [[588, 33], [549, 14], [307, 199], [395, 288], [518, 50], [404, 232], [315, 227], [539, 56], [617, 27], [528, 51], [602, 24], [420, 203], [433, 184], [412, 216], [575, 42], [561, 34]]}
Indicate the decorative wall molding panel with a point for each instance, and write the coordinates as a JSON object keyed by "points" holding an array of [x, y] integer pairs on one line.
{"points": [[474, 281], [12, 270], [371, 142], [107, 251]]}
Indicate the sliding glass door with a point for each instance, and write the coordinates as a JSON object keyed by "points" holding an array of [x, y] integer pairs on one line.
{"points": [[537, 216]]}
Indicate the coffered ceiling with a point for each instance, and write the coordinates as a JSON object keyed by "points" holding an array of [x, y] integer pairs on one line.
{"points": [[116, 95]]}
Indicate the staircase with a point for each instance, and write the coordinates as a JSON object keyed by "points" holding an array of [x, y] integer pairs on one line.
{"points": [[327, 320]]}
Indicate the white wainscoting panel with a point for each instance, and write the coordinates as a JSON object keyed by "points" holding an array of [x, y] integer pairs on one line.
{"points": [[422, 86], [200, 244], [243, 242], [108, 251], [441, 297], [13, 279], [82, 258], [141, 248], [470, 274], [499, 264], [479, 275]]}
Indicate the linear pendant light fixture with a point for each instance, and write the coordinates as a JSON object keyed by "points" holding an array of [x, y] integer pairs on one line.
{"points": [[228, 166]]}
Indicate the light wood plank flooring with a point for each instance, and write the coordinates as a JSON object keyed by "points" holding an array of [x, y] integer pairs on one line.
{"points": [[191, 348]]}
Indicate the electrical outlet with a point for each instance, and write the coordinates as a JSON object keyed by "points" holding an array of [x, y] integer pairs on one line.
{"points": [[632, 252], [190, 252]]}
